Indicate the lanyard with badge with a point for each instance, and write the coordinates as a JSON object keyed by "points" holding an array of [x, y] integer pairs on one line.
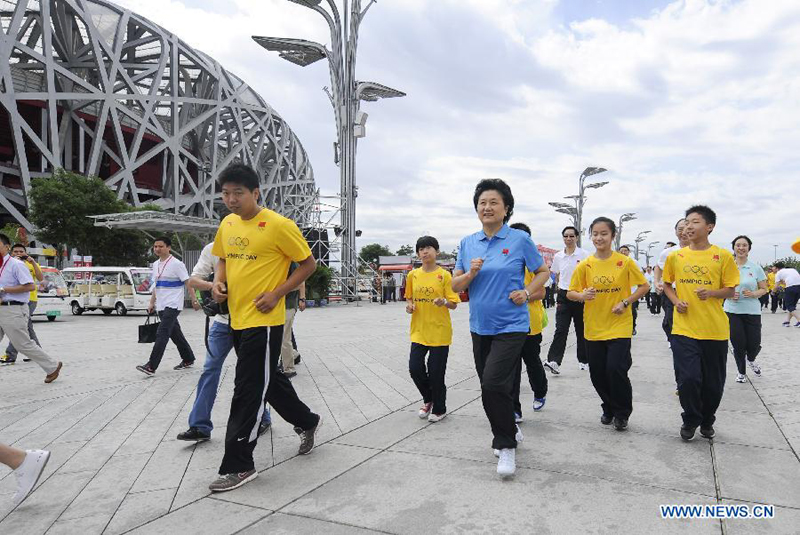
{"points": [[160, 271]]}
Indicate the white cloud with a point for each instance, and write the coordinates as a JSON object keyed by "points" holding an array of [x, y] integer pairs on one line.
{"points": [[693, 102]]}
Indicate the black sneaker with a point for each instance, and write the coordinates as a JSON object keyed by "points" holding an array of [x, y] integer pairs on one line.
{"points": [[687, 433], [307, 437], [24, 359], [707, 432], [232, 481], [297, 360], [183, 365], [620, 424], [146, 369], [291, 374], [606, 419], [263, 427], [194, 435]]}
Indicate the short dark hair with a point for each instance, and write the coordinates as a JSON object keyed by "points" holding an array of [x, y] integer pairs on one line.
{"points": [[489, 184], [523, 227], [427, 241], [166, 241], [238, 173], [567, 228], [742, 237], [708, 215], [679, 221], [607, 221], [671, 244], [19, 245], [624, 246], [5, 240], [779, 264]]}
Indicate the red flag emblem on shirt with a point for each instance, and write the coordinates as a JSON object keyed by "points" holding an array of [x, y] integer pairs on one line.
{"points": [[505, 251], [619, 264], [439, 277], [262, 224], [716, 257]]}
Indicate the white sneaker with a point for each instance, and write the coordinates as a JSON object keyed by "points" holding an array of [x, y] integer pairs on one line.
{"points": [[507, 463], [741, 378], [29, 472], [583, 366], [755, 367], [519, 436], [436, 417], [496, 453], [552, 366], [425, 410]]}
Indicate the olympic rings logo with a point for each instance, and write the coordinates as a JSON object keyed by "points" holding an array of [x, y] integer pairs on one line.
{"points": [[427, 291], [697, 270], [241, 243], [602, 279]]}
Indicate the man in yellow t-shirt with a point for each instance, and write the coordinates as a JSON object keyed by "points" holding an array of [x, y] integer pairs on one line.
{"points": [[608, 283], [19, 251], [532, 348], [255, 247], [704, 276], [430, 298]]}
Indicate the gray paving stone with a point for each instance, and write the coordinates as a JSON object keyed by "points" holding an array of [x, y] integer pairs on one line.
{"points": [[138, 509], [785, 521], [758, 474], [457, 491], [282, 524], [210, 516]]}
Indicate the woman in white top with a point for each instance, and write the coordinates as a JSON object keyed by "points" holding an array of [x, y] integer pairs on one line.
{"points": [[744, 309]]}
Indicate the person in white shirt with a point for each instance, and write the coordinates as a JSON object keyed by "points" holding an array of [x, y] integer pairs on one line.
{"points": [[789, 278], [683, 241], [651, 296], [567, 311], [169, 278]]}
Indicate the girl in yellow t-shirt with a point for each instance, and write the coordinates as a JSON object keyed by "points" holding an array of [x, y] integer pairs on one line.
{"points": [[603, 282], [430, 298]]}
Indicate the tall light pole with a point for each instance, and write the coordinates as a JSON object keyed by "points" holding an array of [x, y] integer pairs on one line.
{"points": [[580, 199], [346, 94], [639, 239], [630, 216], [647, 254]]}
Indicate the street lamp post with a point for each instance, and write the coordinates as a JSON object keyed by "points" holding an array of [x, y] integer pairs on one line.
{"points": [[639, 239], [576, 211], [630, 216], [648, 256], [345, 94]]}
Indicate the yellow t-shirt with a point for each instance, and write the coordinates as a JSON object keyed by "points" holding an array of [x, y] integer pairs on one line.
{"points": [[34, 294], [257, 254], [430, 325], [712, 269], [612, 280], [535, 309], [770, 281]]}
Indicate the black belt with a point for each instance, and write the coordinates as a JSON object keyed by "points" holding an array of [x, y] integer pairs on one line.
{"points": [[10, 303]]}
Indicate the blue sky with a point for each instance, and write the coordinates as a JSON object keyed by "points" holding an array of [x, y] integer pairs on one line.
{"points": [[683, 102]]}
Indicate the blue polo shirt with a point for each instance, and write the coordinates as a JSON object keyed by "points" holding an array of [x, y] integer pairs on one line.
{"points": [[505, 257]]}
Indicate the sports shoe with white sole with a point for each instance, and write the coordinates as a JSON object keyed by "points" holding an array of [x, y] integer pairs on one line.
{"points": [[552, 366], [755, 367], [232, 481], [741, 378], [433, 418], [425, 410], [517, 418], [538, 404], [29, 472], [307, 437], [519, 436], [507, 462]]}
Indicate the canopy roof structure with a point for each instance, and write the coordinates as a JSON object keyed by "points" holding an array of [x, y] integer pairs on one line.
{"points": [[94, 88], [152, 221]]}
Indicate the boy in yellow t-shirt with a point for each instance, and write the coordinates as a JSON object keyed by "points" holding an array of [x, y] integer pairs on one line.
{"points": [[704, 276], [255, 247], [532, 347], [604, 282], [430, 297]]}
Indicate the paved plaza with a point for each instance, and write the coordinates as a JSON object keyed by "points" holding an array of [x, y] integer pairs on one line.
{"points": [[116, 466]]}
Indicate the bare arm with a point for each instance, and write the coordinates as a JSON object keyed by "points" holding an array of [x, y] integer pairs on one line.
{"points": [[20, 288], [37, 270]]}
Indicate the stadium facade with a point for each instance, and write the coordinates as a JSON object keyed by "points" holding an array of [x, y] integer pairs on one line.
{"points": [[94, 88]]}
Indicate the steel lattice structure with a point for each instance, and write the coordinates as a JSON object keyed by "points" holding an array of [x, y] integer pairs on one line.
{"points": [[88, 86]]}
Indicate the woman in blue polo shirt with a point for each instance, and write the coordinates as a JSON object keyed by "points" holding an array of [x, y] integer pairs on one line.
{"points": [[744, 309], [491, 263]]}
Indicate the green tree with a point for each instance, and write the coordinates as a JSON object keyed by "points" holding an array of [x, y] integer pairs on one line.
{"points": [[59, 206], [370, 253], [11, 231], [319, 283], [405, 250]]}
